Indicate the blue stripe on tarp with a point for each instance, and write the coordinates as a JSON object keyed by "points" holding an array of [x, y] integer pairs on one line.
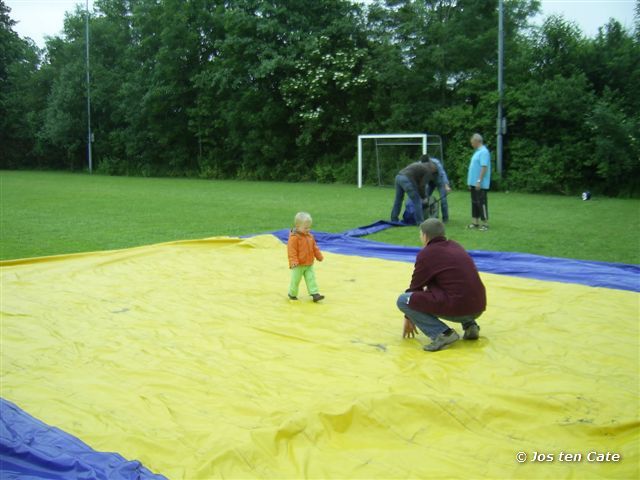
{"points": [[30, 449], [584, 272], [375, 227]]}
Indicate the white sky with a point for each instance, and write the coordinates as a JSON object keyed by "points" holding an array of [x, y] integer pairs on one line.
{"points": [[39, 18], [590, 14]]}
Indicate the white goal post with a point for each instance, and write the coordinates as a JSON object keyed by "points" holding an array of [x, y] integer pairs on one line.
{"points": [[422, 136]]}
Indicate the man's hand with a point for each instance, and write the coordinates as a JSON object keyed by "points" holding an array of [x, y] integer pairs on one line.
{"points": [[478, 186], [294, 265], [409, 329], [447, 188]]}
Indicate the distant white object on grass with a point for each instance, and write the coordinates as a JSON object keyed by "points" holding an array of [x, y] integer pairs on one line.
{"points": [[586, 195]]}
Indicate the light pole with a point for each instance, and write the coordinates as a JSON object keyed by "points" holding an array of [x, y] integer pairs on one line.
{"points": [[501, 124], [89, 135]]}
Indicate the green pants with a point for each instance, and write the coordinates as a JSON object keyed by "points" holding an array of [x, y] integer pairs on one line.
{"points": [[309, 275]]}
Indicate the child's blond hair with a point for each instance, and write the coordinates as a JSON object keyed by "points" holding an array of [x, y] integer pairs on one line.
{"points": [[302, 218]]}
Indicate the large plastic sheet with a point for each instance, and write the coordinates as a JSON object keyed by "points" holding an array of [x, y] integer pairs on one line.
{"points": [[188, 357]]}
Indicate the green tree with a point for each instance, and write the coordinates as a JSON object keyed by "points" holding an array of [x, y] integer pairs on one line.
{"points": [[615, 164], [550, 148], [62, 135], [20, 100], [273, 89], [274, 100]]}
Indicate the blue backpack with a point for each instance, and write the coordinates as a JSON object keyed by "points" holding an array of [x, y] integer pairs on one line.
{"points": [[408, 216], [430, 210]]}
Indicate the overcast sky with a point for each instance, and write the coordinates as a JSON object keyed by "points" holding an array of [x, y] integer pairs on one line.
{"points": [[39, 18]]}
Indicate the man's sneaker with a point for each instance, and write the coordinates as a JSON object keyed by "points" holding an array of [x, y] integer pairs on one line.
{"points": [[291, 297], [484, 228], [317, 297], [472, 332], [442, 341], [471, 226]]}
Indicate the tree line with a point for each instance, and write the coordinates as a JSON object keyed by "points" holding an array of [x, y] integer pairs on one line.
{"points": [[279, 90]]}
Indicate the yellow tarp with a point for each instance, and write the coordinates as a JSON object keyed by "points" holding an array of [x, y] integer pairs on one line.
{"points": [[188, 357]]}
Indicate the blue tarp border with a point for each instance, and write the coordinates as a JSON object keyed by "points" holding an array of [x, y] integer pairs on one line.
{"points": [[30, 449], [584, 272]]}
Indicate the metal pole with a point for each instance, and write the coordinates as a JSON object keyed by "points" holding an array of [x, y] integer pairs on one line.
{"points": [[359, 161], [500, 121], [88, 92], [378, 163]]}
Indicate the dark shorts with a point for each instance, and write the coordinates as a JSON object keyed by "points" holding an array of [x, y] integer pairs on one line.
{"points": [[479, 204]]}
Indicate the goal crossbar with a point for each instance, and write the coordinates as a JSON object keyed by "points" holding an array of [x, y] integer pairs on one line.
{"points": [[392, 144], [382, 136]]}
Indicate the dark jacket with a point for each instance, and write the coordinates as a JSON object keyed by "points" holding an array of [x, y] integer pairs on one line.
{"points": [[420, 174], [453, 284]]}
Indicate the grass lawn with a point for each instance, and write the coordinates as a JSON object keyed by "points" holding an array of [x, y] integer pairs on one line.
{"points": [[47, 213]]}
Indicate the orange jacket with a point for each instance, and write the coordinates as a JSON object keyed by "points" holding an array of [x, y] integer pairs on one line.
{"points": [[302, 249]]}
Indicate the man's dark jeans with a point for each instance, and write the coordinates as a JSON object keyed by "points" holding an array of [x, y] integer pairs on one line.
{"points": [[444, 205], [404, 185], [428, 323]]}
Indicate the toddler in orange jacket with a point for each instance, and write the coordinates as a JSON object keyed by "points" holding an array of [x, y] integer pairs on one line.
{"points": [[303, 249]]}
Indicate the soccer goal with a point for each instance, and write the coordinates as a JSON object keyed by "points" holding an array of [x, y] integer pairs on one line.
{"points": [[423, 140]]}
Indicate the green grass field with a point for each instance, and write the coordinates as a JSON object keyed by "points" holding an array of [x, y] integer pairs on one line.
{"points": [[47, 213]]}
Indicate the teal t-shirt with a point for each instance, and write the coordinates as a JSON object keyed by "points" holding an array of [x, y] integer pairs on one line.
{"points": [[481, 158]]}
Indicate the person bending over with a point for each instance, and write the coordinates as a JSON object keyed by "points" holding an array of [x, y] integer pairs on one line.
{"points": [[413, 180]]}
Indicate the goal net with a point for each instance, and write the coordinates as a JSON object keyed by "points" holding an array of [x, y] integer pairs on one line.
{"points": [[378, 164]]}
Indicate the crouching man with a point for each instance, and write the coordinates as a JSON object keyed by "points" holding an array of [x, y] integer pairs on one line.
{"points": [[445, 284]]}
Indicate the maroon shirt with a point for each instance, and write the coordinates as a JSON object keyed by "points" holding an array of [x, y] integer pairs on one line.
{"points": [[453, 284]]}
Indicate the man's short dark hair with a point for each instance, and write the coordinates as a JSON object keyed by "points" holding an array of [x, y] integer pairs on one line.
{"points": [[427, 159], [432, 228]]}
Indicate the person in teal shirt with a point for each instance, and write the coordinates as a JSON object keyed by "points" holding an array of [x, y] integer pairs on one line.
{"points": [[479, 180]]}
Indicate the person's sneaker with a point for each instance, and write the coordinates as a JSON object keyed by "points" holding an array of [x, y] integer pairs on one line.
{"points": [[484, 228], [442, 341], [291, 297], [317, 297], [471, 226], [471, 333]]}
